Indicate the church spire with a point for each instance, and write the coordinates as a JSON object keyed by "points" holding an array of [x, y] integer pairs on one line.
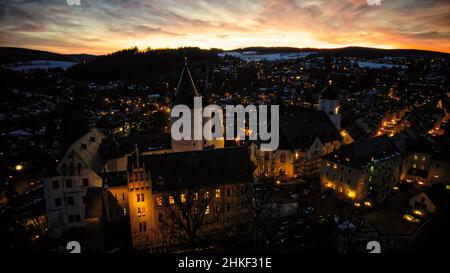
{"points": [[186, 90]]}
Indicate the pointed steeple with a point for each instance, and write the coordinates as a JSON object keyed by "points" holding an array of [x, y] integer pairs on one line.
{"points": [[186, 90], [329, 92]]}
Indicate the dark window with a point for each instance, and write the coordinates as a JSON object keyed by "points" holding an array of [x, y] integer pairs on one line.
{"points": [[64, 169], [77, 218], [144, 226], [85, 182], [79, 168], [123, 196], [92, 139], [55, 184], [228, 192], [349, 171], [83, 146], [437, 166], [70, 200], [228, 206], [348, 181], [138, 196], [58, 202], [69, 183], [71, 218], [140, 227], [84, 199], [142, 197], [160, 217]]}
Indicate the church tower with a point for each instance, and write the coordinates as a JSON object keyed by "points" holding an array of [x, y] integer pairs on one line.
{"points": [[329, 103], [185, 94]]}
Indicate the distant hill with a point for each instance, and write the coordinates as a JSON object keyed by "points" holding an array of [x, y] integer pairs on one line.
{"points": [[14, 55], [367, 52]]}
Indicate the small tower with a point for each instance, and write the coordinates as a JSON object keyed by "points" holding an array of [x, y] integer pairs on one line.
{"points": [[142, 219], [329, 103]]}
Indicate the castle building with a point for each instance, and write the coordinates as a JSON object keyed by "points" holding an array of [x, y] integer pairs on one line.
{"points": [[94, 189], [173, 194]]}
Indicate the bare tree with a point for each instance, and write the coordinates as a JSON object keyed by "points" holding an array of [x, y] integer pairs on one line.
{"points": [[187, 215]]}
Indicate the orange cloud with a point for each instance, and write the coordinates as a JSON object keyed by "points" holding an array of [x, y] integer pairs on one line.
{"points": [[103, 26]]}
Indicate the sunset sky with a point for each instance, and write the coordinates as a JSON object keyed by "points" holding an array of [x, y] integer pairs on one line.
{"points": [[104, 26]]}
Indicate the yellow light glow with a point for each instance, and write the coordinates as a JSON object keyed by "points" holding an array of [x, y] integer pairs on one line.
{"points": [[357, 204], [418, 212], [217, 193], [18, 167], [207, 210], [368, 204], [410, 218], [171, 200], [351, 194]]}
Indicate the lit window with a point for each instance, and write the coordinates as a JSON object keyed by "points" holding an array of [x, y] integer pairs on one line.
{"points": [[423, 158], [183, 198], [171, 200], [414, 166], [196, 196], [139, 212], [217, 193], [159, 201], [207, 210], [124, 211], [207, 195]]}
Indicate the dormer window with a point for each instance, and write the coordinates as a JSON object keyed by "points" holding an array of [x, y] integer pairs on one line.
{"points": [[92, 139], [83, 146]]}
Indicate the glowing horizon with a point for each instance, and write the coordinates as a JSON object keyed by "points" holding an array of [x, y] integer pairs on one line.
{"points": [[102, 27]]}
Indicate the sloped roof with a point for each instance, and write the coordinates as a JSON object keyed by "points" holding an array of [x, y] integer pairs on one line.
{"points": [[361, 152], [91, 155], [199, 168], [301, 128], [329, 93], [186, 90]]}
